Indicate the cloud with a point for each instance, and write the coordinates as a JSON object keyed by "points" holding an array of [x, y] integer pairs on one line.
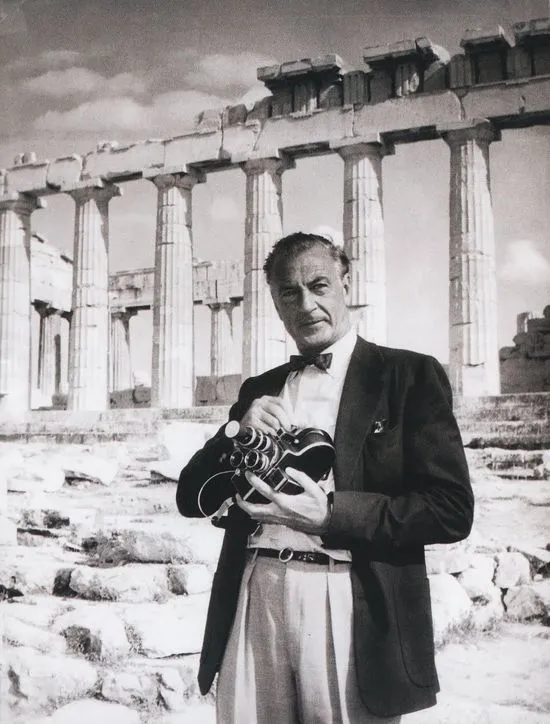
{"points": [[525, 263], [71, 81], [47, 60], [168, 113], [218, 71]]}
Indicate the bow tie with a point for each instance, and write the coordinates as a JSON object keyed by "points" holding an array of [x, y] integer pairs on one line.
{"points": [[322, 361]]}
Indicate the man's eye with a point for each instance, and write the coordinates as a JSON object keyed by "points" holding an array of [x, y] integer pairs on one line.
{"points": [[320, 287]]}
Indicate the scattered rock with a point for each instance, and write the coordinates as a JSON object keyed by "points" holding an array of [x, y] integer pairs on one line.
{"points": [[453, 558], [451, 606], [189, 578], [513, 569], [19, 633], [171, 690], [47, 680], [32, 476], [523, 603], [8, 532], [90, 468], [130, 688], [132, 583], [95, 632], [168, 630], [477, 580]]}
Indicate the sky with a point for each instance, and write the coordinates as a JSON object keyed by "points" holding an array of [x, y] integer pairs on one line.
{"points": [[76, 72]]}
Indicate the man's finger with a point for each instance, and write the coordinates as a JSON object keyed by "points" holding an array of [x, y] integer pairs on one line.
{"points": [[301, 478], [259, 485]]}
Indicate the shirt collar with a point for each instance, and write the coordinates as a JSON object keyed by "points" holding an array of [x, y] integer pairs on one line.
{"points": [[341, 351]]}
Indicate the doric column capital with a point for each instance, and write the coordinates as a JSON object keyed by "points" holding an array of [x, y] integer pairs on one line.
{"points": [[370, 145], [21, 203], [460, 132], [183, 180], [95, 189], [123, 313], [271, 164]]}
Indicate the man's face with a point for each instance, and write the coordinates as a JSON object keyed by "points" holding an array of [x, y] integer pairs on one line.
{"points": [[310, 294]]}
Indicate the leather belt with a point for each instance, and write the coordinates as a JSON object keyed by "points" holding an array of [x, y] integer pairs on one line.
{"points": [[288, 554]]}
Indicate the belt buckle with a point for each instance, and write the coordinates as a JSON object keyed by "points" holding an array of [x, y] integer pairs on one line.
{"points": [[286, 555]]}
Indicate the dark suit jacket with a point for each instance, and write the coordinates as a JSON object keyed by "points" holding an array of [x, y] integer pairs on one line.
{"points": [[395, 492]]}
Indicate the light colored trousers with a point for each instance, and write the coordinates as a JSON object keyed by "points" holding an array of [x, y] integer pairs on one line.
{"points": [[289, 657]]}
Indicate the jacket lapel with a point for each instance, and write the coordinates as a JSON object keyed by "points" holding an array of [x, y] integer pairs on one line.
{"points": [[362, 387]]}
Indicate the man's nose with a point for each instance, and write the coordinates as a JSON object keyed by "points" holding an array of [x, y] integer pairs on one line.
{"points": [[308, 301]]}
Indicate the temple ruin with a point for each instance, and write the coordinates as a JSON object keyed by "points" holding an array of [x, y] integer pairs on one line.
{"points": [[408, 91]]}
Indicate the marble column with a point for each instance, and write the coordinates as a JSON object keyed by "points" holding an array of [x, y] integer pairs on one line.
{"points": [[264, 343], [221, 338], [173, 344], [47, 353], [15, 301], [90, 332], [62, 353], [473, 354], [120, 352], [363, 225]]}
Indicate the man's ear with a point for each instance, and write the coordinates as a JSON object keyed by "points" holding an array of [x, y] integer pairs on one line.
{"points": [[346, 282]]}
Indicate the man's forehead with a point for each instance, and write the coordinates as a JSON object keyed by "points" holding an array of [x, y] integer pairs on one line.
{"points": [[306, 265]]}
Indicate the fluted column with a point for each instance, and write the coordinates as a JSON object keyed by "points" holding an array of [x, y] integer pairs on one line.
{"points": [[363, 225], [221, 338], [173, 344], [473, 354], [62, 353], [120, 355], [47, 352], [15, 301], [89, 332], [263, 332]]}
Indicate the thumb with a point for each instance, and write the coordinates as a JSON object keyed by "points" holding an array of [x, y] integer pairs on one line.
{"points": [[300, 477]]}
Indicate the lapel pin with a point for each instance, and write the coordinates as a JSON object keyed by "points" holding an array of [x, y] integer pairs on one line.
{"points": [[379, 426]]}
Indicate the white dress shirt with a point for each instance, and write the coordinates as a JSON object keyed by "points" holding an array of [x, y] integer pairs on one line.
{"points": [[313, 395]]}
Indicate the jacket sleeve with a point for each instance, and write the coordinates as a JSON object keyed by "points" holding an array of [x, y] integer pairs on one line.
{"points": [[437, 505], [209, 460]]}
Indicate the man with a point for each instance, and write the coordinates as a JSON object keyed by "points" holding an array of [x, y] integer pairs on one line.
{"points": [[337, 627]]}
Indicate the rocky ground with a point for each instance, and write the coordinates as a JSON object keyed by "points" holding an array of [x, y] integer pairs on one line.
{"points": [[116, 583]]}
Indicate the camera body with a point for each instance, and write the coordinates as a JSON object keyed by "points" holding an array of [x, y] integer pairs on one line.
{"points": [[309, 449]]}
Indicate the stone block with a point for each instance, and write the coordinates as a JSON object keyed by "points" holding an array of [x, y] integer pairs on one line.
{"points": [[282, 101], [234, 114], [541, 59], [518, 62], [188, 579], [129, 688], [407, 79], [94, 632], [291, 131], [262, 109], [490, 66], [523, 603], [330, 94], [19, 633], [381, 85], [190, 148], [8, 532], [47, 680], [451, 606], [304, 96], [296, 67], [356, 87], [436, 77], [124, 161], [132, 583], [239, 140], [268, 73], [171, 690], [460, 71], [209, 120], [64, 172], [513, 569], [167, 630], [30, 177], [532, 97]]}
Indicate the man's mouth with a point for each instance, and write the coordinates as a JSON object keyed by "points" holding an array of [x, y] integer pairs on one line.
{"points": [[311, 323]]}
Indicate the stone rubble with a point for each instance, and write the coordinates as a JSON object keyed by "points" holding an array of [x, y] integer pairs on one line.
{"points": [[110, 625]]}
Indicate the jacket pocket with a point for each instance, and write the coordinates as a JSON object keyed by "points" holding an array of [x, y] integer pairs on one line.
{"points": [[414, 616]]}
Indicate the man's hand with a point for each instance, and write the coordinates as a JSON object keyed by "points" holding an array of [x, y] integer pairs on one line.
{"points": [[268, 414], [308, 512]]}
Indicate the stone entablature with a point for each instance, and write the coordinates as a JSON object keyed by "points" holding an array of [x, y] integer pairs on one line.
{"points": [[215, 282]]}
